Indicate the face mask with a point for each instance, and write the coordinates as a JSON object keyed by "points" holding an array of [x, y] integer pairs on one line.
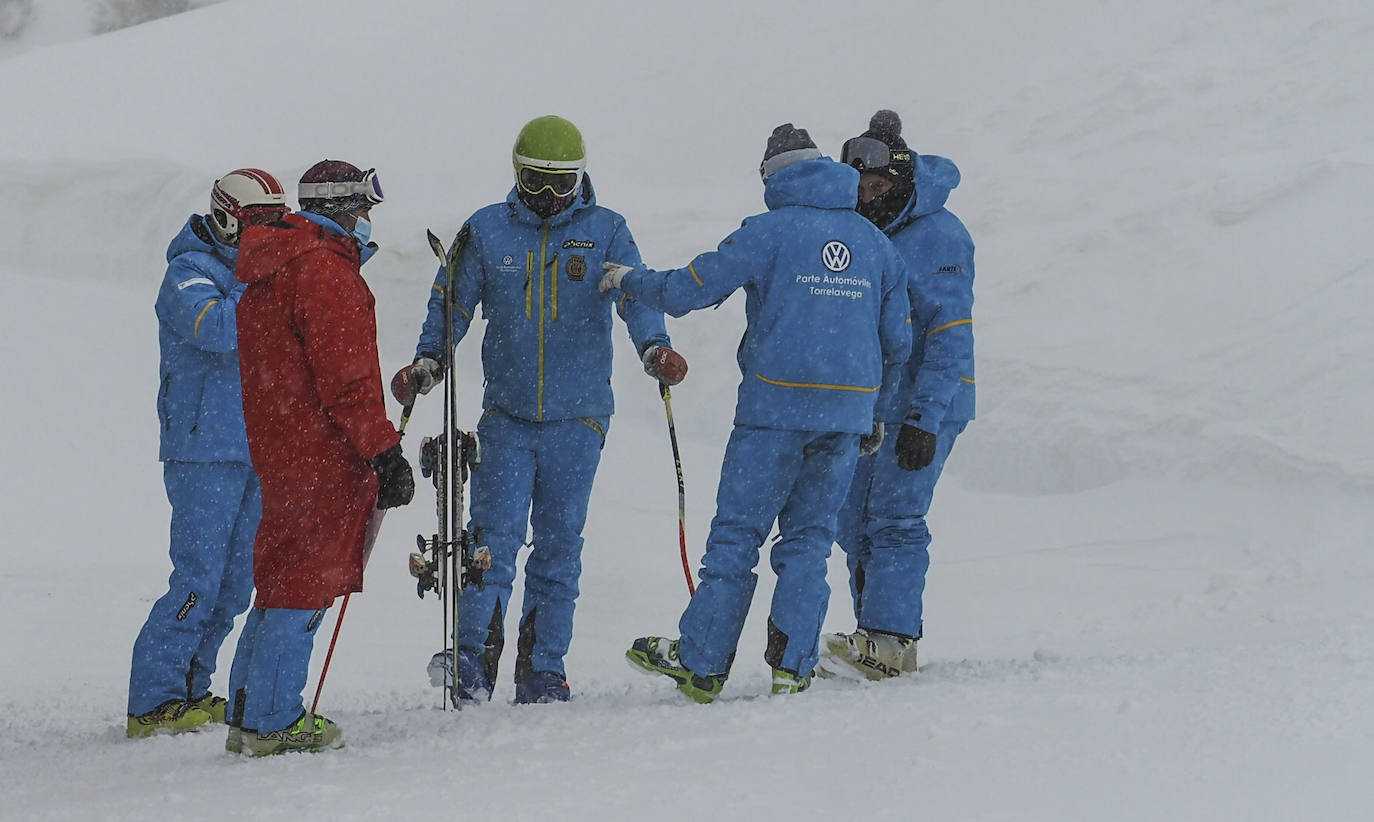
{"points": [[362, 231], [546, 204]]}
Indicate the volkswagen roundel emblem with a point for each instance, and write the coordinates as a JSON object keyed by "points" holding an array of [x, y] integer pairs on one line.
{"points": [[835, 255]]}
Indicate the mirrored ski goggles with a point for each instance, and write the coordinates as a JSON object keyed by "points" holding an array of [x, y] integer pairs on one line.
{"points": [[560, 181], [369, 187], [865, 153]]}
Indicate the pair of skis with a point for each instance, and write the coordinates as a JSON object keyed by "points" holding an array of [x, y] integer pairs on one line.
{"points": [[451, 558]]}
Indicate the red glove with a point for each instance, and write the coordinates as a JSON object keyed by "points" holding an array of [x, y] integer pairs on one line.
{"points": [[417, 378], [664, 364]]}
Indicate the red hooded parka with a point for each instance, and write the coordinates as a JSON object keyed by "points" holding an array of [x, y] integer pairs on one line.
{"points": [[312, 402]]}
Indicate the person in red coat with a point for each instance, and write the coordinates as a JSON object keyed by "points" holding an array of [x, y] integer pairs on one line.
{"points": [[320, 441]]}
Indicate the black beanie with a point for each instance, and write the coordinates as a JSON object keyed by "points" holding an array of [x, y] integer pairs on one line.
{"points": [[886, 127], [881, 150], [786, 145]]}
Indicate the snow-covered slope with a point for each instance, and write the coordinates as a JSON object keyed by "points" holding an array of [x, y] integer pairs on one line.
{"points": [[1151, 559]]}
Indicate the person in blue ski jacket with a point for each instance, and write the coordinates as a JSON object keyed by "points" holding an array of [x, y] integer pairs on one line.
{"points": [[215, 495], [533, 263], [882, 525], [826, 333]]}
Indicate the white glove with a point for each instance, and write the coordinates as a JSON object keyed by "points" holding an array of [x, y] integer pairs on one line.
{"points": [[427, 372], [615, 272], [869, 444]]}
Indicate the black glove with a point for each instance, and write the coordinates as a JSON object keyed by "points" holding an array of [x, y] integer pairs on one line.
{"points": [[915, 447], [395, 481]]}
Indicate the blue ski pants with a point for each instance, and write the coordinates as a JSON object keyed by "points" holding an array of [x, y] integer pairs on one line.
{"points": [[216, 507], [540, 473], [797, 478], [882, 530], [271, 664]]}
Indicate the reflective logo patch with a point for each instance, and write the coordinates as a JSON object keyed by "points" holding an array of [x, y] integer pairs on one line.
{"points": [[182, 286], [577, 267], [579, 244], [835, 255]]}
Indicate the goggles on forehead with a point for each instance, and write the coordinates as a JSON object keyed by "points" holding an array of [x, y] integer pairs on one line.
{"points": [[560, 181], [369, 187], [865, 153]]}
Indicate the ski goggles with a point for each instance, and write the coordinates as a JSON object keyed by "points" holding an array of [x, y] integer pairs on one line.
{"points": [[560, 181], [866, 154], [369, 188]]}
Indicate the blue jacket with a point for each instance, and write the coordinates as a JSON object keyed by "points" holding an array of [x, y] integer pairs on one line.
{"points": [[825, 303], [199, 400], [938, 381], [546, 353]]}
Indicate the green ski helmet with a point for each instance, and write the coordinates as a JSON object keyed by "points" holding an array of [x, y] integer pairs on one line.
{"points": [[549, 161]]}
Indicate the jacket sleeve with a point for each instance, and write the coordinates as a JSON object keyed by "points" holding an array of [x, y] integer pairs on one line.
{"points": [[645, 324], [336, 319], [942, 306], [468, 274], [197, 309], [709, 278], [894, 330]]}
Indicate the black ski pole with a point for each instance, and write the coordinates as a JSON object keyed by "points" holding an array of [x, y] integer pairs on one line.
{"points": [[681, 489]]}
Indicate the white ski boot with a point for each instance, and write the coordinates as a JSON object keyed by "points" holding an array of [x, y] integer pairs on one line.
{"points": [[866, 654]]}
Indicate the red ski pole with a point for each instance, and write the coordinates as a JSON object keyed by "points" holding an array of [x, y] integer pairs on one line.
{"points": [[325, 672]]}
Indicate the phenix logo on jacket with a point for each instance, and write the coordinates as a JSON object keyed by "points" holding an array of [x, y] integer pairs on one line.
{"points": [[825, 301], [546, 353]]}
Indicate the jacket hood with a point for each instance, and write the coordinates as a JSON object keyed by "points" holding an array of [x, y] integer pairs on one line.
{"points": [[819, 183], [267, 248], [365, 252], [585, 198], [197, 236], [936, 177]]}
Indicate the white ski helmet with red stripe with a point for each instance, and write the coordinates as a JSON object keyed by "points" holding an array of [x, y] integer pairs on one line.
{"points": [[245, 196]]}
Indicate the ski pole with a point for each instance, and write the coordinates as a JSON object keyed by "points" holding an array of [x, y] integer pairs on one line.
{"points": [[373, 526], [325, 671], [681, 489]]}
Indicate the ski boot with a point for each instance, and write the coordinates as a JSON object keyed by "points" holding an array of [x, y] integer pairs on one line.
{"points": [[311, 733], [215, 706], [786, 682], [867, 654], [542, 687], [472, 685], [175, 716], [658, 655]]}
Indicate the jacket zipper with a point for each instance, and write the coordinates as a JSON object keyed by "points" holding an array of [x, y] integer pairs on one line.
{"points": [[543, 253]]}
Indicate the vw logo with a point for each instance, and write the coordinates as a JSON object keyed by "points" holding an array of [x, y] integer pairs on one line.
{"points": [[835, 255], [507, 260]]}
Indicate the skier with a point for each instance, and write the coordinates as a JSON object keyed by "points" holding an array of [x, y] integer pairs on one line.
{"points": [[826, 311], [546, 360], [320, 441], [215, 496], [882, 527]]}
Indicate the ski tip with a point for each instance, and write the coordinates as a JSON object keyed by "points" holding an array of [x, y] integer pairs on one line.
{"points": [[436, 244]]}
